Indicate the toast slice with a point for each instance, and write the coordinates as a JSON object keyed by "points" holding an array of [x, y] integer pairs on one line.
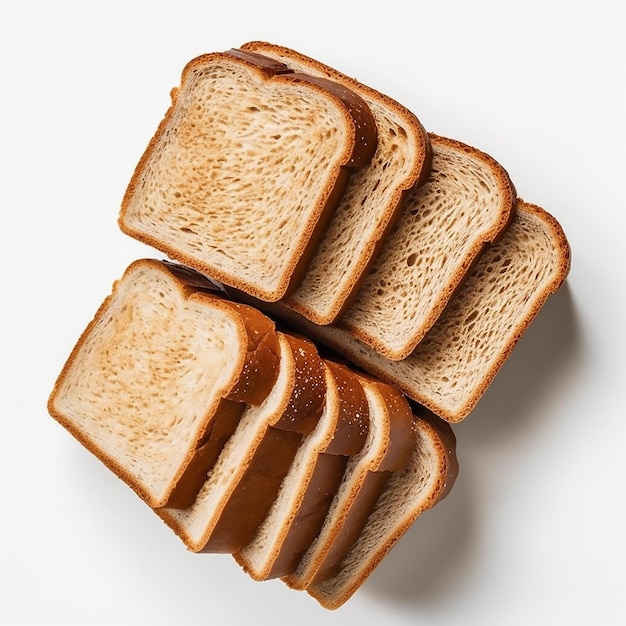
{"points": [[391, 441], [455, 363], [371, 201], [427, 478], [467, 202], [158, 380], [248, 153], [240, 487], [301, 505]]}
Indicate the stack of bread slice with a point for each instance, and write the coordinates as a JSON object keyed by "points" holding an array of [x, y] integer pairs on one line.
{"points": [[239, 434], [341, 286]]}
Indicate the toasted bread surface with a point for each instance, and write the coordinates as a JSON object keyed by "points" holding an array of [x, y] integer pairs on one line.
{"points": [[152, 374], [248, 152]]}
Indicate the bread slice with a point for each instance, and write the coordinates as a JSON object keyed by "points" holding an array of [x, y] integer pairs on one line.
{"points": [[391, 441], [157, 381], [248, 153], [455, 363], [467, 202], [299, 509], [428, 478], [243, 483], [372, 198]]}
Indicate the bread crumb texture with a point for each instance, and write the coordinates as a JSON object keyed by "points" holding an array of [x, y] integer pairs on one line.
{"points": [[240, 163], [441, 229], [144, 380]]}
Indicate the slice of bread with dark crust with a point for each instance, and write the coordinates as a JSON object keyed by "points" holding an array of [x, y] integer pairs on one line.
{"points": [[390, 442], [427, 478], [371, 200], [241, 486], [159, 378], [305, 496], [248, 153]]}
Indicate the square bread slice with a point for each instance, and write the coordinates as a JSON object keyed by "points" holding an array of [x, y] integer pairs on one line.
{"points": [[245, 169], [467, 202], [159, 378], [372, 199]]}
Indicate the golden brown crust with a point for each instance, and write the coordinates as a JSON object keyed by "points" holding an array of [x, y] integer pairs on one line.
{"points": [[353, 420], [445, 439], [306, 404], [401, 436]]}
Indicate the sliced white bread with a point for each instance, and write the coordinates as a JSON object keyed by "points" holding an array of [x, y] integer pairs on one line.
{"points": [[157, 381], [371, 201], [248, 152], [466, 202], [427, 478], [301, 505], [240, 487], [391, 440], [459, 357]]}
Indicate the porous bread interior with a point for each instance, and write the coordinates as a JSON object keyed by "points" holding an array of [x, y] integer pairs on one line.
{"points": [[241, 162], [406, 495], [148, 377], [357, 469], [195, 523], [366, 207], [483, 319], [258, 556], [452, 366], [441, 228]]}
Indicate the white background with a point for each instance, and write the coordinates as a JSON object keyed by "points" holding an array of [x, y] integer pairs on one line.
{"points": [[534, 530]]}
